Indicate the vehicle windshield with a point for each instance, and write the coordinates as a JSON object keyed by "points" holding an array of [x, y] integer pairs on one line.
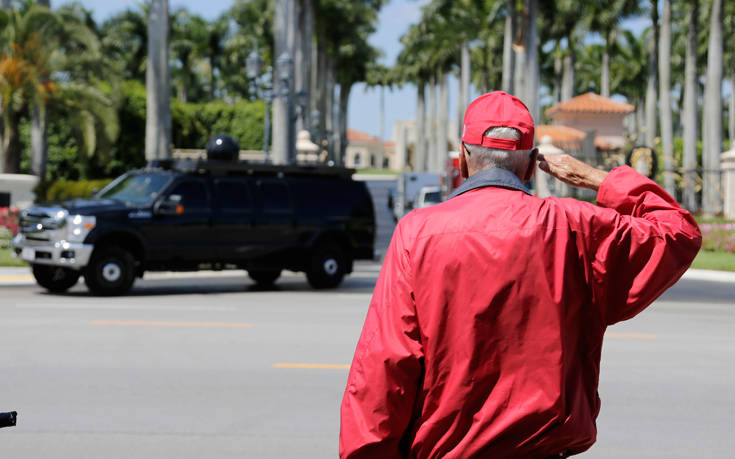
{"points": [[433, 197], [135, 189]]}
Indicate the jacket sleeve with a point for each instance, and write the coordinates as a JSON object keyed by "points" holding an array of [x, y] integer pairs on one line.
{"points": [[639, 243], [387, 368]]}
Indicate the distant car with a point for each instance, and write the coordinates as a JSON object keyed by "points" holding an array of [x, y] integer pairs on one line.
{"points": [[428, 196], [190, 215]]}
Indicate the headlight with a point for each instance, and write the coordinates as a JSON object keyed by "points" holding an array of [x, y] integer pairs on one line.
{"points": [[78, 226], [55, 221]]}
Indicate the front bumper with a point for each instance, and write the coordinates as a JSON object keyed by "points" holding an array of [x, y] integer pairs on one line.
{"points": [[72, 255]]}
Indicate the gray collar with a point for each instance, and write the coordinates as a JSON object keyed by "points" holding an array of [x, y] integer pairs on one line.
{"points": [[491, 177]]}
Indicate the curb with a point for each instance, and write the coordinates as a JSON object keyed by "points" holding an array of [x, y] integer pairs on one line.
{"points": [[709, 275], [21, 276]]}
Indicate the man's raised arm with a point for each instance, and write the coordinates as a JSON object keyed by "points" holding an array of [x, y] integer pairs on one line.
{"points": [[639, 241]]}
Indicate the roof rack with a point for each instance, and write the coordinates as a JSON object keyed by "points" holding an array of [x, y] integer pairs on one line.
{"points": [[220, 167]]}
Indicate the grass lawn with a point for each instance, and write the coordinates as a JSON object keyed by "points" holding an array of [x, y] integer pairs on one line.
{"points": [[377, 172], [6, 258], [721, 261]]}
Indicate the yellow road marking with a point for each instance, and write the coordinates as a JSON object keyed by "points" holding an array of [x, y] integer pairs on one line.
{"points": [[332, 366], [630, 335], [15, 278], [171, 324]]}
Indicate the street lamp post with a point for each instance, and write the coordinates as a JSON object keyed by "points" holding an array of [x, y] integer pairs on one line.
{"points": [[261, 86]]}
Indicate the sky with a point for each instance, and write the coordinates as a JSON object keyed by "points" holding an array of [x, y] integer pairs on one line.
{"points": [[364, 109]]}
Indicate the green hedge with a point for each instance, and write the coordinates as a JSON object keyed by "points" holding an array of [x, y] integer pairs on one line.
{"points": [[192, 125], [64, 189]]}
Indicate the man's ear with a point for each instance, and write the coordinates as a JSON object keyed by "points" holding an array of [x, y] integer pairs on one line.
{"points": [[463, 169], [531, 165]]}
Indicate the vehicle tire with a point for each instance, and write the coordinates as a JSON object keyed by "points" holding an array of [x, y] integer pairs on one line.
{"points": [[327, 266], [264, 277], [55, 279], [111, 271]]}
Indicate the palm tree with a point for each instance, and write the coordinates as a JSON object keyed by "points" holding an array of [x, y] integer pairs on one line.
{"points": [[629, 71], [689, 117], [664, 64], [508, 36], [605, 17], [652, 77], [188, 32], [213, 49], [571, 19], [712, 124], [125, 40], [49, 59], [381, 77], [158, 84]]}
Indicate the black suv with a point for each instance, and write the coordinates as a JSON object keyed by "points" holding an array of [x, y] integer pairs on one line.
{"points": [[191, 215]]}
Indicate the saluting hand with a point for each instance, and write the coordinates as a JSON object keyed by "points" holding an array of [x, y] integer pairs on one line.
{"points": [[571, 171]]}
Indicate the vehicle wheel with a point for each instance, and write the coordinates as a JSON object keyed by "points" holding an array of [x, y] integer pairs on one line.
{"points": [[55, 279], [264, 277], [111, 271], [327, 266]]}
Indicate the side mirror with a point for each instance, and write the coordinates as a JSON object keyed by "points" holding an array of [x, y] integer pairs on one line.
{"points": [[170, 205]]}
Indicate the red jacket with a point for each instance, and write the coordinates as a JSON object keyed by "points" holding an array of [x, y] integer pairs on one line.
{"points": [[484, 333]]}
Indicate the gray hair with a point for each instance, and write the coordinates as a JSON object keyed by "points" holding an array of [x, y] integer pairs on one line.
{"points": [[480, 157]]}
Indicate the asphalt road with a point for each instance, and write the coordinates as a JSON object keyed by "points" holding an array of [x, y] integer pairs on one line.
{"points": [[208, 366]]}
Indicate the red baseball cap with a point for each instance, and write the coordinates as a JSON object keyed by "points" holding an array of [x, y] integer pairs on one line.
{"points": [[493, 109]]}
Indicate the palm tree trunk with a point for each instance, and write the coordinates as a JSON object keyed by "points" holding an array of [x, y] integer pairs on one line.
{"points": [[640, 118], [158, 84], [381, 129], [532, 64], [731, 117], [431, 126], [11, 142], [317, 84], [344, 100], [664, 65], [39, 131], [466, 72], [691, 96], [419, 155], [567, 81], [605, 71], [557, 74], [283, 23], [329, 81], [442, 128], [508, 35], [304, 51], [652, 77], [712, 128]]}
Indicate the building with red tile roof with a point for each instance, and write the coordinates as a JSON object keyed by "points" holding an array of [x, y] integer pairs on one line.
{"points": [[591, 114]]}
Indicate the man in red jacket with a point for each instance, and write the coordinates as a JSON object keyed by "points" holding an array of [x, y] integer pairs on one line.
{"points": [[484, 333]]}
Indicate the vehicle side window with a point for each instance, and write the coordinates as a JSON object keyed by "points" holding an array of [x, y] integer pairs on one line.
{"points": [[234, 196], [193, 194], [274, 196]]}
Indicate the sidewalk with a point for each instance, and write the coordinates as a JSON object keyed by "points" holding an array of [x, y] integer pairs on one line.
{"points": [[21, 276]]}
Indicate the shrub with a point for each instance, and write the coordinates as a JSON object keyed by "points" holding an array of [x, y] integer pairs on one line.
{"points": [[64, 189], [718, 237], [8, 221]]}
